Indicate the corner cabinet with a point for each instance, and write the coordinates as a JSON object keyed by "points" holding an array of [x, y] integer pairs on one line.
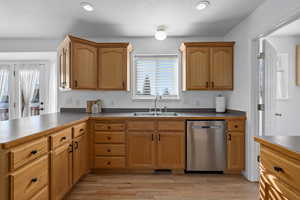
{"points": [[89, 65], [207, 65]]}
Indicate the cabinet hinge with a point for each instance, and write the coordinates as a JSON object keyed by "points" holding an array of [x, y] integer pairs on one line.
{"points": [[261, 55], [261, 107]]}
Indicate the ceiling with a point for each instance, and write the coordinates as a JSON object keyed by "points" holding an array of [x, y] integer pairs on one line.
{"points": [[292, 29], [124, 18]]}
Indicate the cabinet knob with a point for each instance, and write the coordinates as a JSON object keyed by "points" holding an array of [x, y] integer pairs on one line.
{"points": [[278, 169], [108, 150], [229, 137], [108, 163], [109, 138], [33, 152], [236, 126], [33, 180], [63, 138]]}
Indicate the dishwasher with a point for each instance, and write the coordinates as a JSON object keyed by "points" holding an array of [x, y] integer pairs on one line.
{"points": [[206, 146]]}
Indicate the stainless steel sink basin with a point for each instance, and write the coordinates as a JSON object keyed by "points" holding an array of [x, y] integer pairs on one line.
{"points": [[155, 114]]}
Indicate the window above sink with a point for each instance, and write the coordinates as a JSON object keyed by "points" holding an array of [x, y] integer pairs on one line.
{"points": [[155, 75]]}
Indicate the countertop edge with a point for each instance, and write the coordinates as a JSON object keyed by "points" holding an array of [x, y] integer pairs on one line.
{"points": [[21, 140], [278, 147]]}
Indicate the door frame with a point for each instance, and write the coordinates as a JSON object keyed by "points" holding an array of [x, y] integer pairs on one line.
{"points": [[255, 89]]}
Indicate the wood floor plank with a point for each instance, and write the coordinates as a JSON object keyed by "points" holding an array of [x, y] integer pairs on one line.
{"points": [[164, 187]]}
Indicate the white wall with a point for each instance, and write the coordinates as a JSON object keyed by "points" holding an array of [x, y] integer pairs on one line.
{"points": [[288, 123], [117, 99], [265, 18]]}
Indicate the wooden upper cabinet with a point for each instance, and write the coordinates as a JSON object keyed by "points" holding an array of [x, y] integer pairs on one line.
{"points": [[198, 62], [85, 67], [112, 68], [207, 65], [88, 65], [222, 68], [298, 65], [64, 54]]}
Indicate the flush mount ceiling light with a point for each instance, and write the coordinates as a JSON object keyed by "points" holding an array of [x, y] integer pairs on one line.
{"points": [[161, 33], [202, 5], [87, 6]]}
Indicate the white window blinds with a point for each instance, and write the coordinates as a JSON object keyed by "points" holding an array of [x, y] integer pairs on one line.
{"points": [[156, 75]]}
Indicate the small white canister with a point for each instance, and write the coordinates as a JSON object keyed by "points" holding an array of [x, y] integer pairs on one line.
{"points": [[220, 104]]}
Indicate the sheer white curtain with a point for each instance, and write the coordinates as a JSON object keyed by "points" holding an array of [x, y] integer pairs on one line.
{"points": [[3, 81], [29, 78]]}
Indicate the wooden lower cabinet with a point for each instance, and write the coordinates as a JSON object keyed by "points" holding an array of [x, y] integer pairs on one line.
{"points": [[171, 150], [61, 171], [80, 161], [235, 151], [42, 195], [141, 150]]}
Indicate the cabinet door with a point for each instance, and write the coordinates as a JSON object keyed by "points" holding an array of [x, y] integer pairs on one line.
{"points": [[61, 171], [171, 150], [84, 63], [79, 158], [112, 68], [235, 151], [197, 68], [222, 68], [141, 150]]}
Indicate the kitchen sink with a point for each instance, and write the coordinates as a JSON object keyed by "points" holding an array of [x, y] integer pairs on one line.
{"points": [[155, 114]]}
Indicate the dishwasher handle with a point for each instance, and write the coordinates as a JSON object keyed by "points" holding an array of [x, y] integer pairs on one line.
{"points": [[207, 127]]}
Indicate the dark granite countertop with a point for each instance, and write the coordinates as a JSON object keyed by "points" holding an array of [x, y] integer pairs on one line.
{"points": [[291, 143], [25, 129]]}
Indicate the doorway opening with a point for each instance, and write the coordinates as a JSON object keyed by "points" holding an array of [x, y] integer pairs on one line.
{"points": [[27, 87]]}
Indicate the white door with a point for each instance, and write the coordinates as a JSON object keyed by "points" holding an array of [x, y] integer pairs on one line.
{"points": [[23, 89], [5, 74], [269, 88]]}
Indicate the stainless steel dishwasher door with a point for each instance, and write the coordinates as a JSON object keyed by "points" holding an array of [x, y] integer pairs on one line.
{"points": [[206, 146]]}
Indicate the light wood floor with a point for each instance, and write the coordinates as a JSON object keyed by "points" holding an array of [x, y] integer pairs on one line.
{"points": [[164, 187]]}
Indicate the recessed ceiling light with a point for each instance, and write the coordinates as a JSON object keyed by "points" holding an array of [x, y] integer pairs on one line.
{"points": [[202, 5], [161, 33], [87, 6]]}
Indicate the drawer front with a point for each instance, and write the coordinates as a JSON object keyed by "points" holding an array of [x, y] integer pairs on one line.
{"points": [[277, 189], [109, 149], [79, 130], [109, 162], [109, 126], [61, 137], [28, 181], [141, 125], [284, 168], [42, 195], [27, 152], [171, 126], [109, 137], [236, 125]]}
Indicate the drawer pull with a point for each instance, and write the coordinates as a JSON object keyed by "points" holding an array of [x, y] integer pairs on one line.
{"points": [[34, 180], [109, 138], [81, 130], [108, 150], [109, 127], [33, 152], [108, 163], [278, 169], [63, 138], [229, 137], [76, 145], [236, 126]]}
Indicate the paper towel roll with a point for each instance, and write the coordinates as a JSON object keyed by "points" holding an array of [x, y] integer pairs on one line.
{"points": [[220, 104]]}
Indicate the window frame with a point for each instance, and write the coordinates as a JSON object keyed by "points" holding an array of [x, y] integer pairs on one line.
{"points": [[152, 97]]}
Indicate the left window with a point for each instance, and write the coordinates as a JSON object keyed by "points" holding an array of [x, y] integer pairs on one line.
{"points": [[155, 75]]}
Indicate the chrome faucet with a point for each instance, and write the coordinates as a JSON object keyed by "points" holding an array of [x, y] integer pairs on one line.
{"points": [[157, 98]]}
